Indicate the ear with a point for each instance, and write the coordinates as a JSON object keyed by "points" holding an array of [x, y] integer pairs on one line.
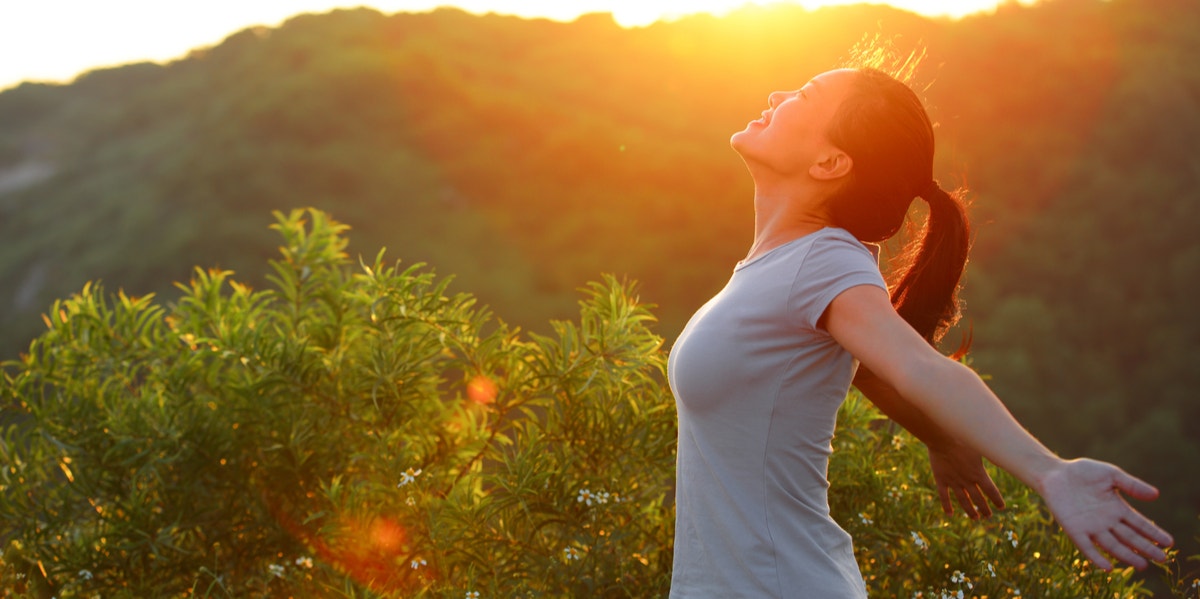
{"points": [[833, 164]]}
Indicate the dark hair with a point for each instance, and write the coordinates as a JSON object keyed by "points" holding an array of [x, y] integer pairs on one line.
{"points": [[883, 127]]}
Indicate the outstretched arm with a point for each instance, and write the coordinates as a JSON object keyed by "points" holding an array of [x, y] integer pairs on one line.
{"points": [[957, 468], [1085, 496]]}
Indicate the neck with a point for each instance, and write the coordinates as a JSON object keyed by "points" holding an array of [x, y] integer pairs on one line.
{"points": [[784, 211]]}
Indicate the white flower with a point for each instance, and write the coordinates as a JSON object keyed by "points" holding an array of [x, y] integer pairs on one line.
{"points": [[571, 553], [991, 570], [417, 563], [960, 578], [410, 501], [918, 541], [865, 519], [85, 575], [600, 497], [585, 496], [1012, 537], [305, 562], [472, 595], [276, 570], [408, 476]]}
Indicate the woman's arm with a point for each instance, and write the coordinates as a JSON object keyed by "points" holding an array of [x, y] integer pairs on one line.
{"points": [[957, 468], [1084, 495]]}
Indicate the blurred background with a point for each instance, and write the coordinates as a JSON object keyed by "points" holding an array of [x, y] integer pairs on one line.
{"points": [[527, 156]]}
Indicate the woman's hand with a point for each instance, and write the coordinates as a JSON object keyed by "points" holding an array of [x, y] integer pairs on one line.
{"points": [[959, 469], [1085, 497]]}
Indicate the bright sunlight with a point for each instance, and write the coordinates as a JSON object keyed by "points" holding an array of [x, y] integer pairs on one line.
{"points": [[55, 41]]}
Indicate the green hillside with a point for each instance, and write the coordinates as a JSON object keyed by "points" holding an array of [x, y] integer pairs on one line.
{"points": [[527, 157]]}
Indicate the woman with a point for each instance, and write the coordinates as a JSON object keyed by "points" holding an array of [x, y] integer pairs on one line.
{"points": [[760, 371]]}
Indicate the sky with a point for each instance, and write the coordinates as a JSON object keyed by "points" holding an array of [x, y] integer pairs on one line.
{"points": [[55, 40]]}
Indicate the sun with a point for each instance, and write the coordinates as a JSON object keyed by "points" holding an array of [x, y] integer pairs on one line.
{"points": [[635, 13], [114, 32], [929, 8]]}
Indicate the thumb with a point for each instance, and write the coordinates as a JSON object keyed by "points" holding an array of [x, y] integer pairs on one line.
{"points": [[1134, 487]]}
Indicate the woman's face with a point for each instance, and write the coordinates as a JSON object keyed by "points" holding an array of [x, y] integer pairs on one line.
{"points": [[792, 133]]}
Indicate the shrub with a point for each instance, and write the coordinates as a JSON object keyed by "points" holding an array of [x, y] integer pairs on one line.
{"points": [[361, 432]]}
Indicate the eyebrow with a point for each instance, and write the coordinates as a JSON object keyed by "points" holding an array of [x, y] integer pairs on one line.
{"points": [[812, 86]]}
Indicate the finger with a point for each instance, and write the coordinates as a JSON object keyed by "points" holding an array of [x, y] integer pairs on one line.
{"points": [[1135, 487], [965, 502], [985, 511], [1089, 550], [993, 493], [1114, 547], [944, 494], [1148, 529], [1139, 543]]}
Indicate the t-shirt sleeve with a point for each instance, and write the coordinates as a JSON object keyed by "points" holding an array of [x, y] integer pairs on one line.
{"points": [[835, 263]]}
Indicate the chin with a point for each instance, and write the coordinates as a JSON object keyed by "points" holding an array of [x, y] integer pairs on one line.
{"points": [[745, 148], [742, 138], [738, 140]]}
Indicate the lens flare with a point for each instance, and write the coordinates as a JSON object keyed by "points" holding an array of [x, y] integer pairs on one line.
{"points": [[481, 390]]}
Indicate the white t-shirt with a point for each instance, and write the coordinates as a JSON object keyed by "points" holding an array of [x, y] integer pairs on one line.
{"points": [[757, 386]]}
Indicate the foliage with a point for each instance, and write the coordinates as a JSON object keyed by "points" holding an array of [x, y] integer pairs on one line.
{"points": [[492, 146], [360, 432], [338, 431], [883, 496], [528, 155]]}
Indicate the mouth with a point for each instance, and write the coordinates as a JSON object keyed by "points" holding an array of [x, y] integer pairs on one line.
{"points": [[765, 119]]}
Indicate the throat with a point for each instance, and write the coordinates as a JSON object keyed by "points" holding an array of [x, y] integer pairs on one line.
{"points": [[767, 240]]}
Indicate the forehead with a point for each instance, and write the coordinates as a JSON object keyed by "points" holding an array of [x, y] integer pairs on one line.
{"points": [[833, 81]]}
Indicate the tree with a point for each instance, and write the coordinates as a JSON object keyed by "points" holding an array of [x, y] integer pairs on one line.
{"points": [[361, 432]]}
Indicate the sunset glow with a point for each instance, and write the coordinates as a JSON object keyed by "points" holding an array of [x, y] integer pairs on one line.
{"points": [[55, 41]]}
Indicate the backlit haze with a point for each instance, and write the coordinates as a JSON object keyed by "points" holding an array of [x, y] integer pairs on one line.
{"points": [[55, 40]]}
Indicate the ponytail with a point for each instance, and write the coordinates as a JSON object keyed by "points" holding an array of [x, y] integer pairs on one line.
{"points": [[926, 293], [883, 127]]}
